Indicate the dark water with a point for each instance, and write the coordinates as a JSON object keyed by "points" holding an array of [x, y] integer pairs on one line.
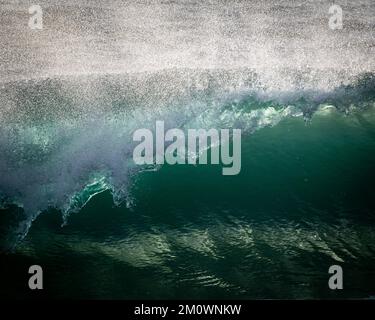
{"points": [[304, 201]]}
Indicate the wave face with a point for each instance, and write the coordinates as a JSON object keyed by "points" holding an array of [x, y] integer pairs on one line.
{"points": [[302, 202], [72, 138]]}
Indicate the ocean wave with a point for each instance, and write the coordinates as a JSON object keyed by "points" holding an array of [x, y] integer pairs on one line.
{"points": [[64, 140]]}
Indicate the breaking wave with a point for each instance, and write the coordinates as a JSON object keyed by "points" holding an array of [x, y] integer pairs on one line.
{"points": [[64, 140]]}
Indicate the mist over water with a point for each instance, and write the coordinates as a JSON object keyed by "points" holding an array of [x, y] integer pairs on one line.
{"points": [[96, 37], [72, 94]]}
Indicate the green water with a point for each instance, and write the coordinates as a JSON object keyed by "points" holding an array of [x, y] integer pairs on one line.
{"points": [[304, 201]]}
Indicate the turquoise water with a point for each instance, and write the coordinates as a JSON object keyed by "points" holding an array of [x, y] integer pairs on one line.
{"points": [[304, 201]]}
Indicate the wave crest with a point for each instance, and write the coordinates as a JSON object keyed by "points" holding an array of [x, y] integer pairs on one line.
{"points": [[64, 141]]}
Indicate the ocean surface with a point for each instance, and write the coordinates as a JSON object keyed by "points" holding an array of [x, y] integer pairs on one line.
{"points": [[73, 201]]}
